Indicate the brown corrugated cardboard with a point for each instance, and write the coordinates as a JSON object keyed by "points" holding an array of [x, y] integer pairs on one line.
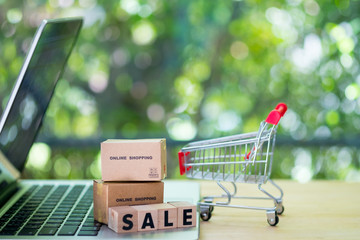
{"points": [[133, 160], [111, 194]]}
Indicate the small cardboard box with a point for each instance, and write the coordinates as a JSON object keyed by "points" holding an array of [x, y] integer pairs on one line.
{"points": [[133, 160], [111, 194]]}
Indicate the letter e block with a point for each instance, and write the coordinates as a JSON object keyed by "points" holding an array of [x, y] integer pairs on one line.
{"points": [[186, 214], [167, 215], [123, 219], [147, 217]]}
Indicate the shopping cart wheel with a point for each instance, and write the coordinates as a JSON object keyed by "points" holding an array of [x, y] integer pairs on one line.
{"points": [[209, 200], [273, 222], [272, 218], [280, 210], [211, 209], [205, 215]]}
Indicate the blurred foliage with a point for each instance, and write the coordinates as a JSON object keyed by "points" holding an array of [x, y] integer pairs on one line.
{"points": [[193, 70]]}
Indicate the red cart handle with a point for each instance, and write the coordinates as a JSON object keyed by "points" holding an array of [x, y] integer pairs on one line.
{"points": [[182, 162], [273, 118], [276, 114]]}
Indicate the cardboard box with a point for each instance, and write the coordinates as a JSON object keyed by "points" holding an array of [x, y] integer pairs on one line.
{"points": [[111, 194], [133, 160]]}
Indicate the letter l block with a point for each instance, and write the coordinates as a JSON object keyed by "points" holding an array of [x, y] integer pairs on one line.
{"points": [[167, 215]]}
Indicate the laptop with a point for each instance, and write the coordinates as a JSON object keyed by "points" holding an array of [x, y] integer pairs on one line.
{"points": [[62, 209]]}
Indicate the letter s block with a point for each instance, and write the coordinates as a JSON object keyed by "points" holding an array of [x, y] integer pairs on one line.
{"points": [[123, 219], [167, 215], [147, 217], [186, 214]]}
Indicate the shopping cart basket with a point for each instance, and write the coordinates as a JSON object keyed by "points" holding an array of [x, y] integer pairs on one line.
{"points": [[242, 158]]}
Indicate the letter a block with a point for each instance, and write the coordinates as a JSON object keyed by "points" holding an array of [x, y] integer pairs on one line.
{"points": [[147, 217], [123, 219], [167, 215], [186, 214]]}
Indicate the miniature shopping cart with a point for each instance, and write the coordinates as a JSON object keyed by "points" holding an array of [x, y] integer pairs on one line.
{"points": [[242, 158]]}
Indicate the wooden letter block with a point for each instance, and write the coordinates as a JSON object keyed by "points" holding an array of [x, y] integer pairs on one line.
{"points": [[123, 219], [167, 215], [186, 214], [147, 217]]}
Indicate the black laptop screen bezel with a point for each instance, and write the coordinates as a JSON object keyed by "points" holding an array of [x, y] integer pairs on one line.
{"points": [[16, 151]]}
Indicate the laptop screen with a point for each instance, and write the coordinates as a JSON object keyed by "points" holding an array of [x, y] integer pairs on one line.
{"points": [[34, 87]]}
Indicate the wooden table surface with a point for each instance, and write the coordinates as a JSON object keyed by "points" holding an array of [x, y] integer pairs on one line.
{"points": [[314, 210]]}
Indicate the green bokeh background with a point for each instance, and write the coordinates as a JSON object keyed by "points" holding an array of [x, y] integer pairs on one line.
{"points": [[188, 70]]}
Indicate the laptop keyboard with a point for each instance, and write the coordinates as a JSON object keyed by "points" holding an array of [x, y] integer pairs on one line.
{"points": [[50, 210]]}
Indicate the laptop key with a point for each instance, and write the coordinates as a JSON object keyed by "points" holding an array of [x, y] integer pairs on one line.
{"points": [[37, 218], [72, 219], [82, 216], [61, 212], [13, 225], [36, 222], [32, 225], [93, 228], [57, 217], [80, 211], [44, 211], [88, 233], [54, 222], [11, 228], [7, 232], [48, 231], [73, 223], [19, 218], [68, 230], [4, 220], [41, 215], [52, 225], [28, 231]]}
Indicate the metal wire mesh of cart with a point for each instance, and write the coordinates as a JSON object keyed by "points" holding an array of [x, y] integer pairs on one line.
{"points": [[245, 158]]}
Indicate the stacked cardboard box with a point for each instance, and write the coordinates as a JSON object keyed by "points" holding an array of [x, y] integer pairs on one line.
{"points": [[112, 194], [131, 172], [130, 195], [133, 160]]}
